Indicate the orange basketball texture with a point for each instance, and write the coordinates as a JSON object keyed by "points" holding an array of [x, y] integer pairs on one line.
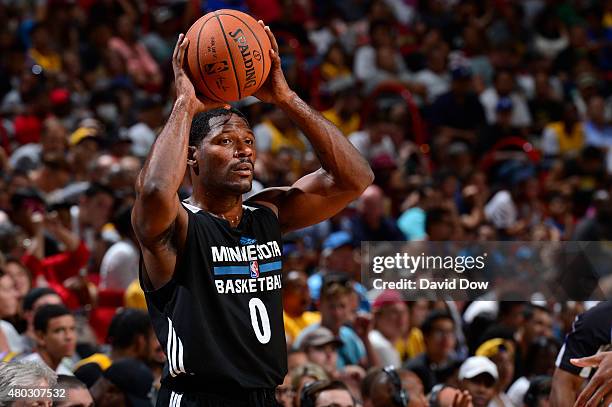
{"points": [[228, 57]]}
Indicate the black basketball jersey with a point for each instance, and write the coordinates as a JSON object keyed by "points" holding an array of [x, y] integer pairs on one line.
{"points": [[220, 317], [591, 333]]}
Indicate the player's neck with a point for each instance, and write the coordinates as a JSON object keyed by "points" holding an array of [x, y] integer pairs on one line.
{"points": [[225, 206]]}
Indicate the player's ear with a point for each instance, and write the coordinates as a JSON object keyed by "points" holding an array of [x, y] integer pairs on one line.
{"points": [[192, 162]]}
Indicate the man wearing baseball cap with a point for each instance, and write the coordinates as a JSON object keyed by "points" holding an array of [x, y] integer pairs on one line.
{"points": [[127, 382], [321, 347], [478, 375]]}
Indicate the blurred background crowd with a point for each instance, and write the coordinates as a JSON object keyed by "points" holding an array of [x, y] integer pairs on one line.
{"points": [[483, 120]]}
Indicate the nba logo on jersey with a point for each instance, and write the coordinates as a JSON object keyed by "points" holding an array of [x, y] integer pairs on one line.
{"points": [[254, 269]]}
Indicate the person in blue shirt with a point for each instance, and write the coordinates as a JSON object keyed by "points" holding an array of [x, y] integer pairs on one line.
{"points": [[336, 305], [338, 259]]}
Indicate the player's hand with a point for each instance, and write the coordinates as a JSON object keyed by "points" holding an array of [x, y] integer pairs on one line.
{"points": [[275, 88], [598, 390], [184, 87]]}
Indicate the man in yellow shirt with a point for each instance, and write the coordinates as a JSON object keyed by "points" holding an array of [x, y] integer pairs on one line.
{"points": [[345, 113], [413, 343], [565, 137], [41, 52], [296, 300]]}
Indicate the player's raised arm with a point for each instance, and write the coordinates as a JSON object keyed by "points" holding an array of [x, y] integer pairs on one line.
{"points": [[344, 173], [159, 222]]}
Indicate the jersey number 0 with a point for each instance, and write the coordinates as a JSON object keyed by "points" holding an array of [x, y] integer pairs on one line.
{"points": [[256, 306]]}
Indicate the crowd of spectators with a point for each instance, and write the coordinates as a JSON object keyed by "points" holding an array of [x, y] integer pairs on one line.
{"points": [[482, 120]]}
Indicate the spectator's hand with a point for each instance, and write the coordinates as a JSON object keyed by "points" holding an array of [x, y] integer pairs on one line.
{"points": [[54, 226], [363, 324], [462, 399], [598, 390], [52, 223], [184, 86], [37, 220], [275, 88], [353, 372], [81, 288], [452, 397]]}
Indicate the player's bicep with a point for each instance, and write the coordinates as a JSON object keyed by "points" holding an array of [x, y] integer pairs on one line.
{"points": [[310, 200], [161, 241], [565, 388], [153, 217]]}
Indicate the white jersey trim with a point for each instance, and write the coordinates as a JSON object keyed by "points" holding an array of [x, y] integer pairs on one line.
{"points": [[191, 207], [175, 399], [195, 209], [174, 350]]}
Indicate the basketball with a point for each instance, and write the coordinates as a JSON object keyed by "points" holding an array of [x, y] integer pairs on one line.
{"points": [[228, 57]]}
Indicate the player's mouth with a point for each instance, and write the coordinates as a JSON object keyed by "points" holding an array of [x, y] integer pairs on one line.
{"points": [[243, 169]]}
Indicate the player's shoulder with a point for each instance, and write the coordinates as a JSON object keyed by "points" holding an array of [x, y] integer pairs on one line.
{"points": [[190, 208], [269, 198], [597, 318], [600, 314], [254, 205]]}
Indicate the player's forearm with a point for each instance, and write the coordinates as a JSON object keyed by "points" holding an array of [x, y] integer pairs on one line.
{"points": [[338, 157], [164, 169]]}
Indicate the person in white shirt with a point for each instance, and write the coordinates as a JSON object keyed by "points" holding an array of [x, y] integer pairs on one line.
{"points": [[505, 87], [9, 338], [120, 263], [436, 77], [390, 319], [377, 138], [365, 65], [144, 133], [55, 328]]}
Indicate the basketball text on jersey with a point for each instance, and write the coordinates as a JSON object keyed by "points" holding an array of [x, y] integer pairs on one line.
{"points": [[249, 259]]}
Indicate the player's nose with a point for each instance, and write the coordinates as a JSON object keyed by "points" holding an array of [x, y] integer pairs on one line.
{"points": [[243, 150]]}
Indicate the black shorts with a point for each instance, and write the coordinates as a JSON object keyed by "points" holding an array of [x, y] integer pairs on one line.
{"points": [[238, 398]]}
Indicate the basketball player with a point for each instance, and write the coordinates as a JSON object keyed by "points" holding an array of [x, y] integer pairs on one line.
{"points": [[211, 265], [591, 334]]}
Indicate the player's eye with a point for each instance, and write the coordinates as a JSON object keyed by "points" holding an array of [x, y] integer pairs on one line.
{"points": [[249, 141], [226, 141]]}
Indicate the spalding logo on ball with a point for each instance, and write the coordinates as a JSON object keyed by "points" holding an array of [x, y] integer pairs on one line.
{"points": [[228, 57]]}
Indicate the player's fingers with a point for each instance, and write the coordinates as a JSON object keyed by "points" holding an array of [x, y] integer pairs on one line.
{"points": [[275, 58], [182, 51], [588, 391], [177, 47], [608, 398], [212, 104], [590, 361], [599, 396], [272, 39]]}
